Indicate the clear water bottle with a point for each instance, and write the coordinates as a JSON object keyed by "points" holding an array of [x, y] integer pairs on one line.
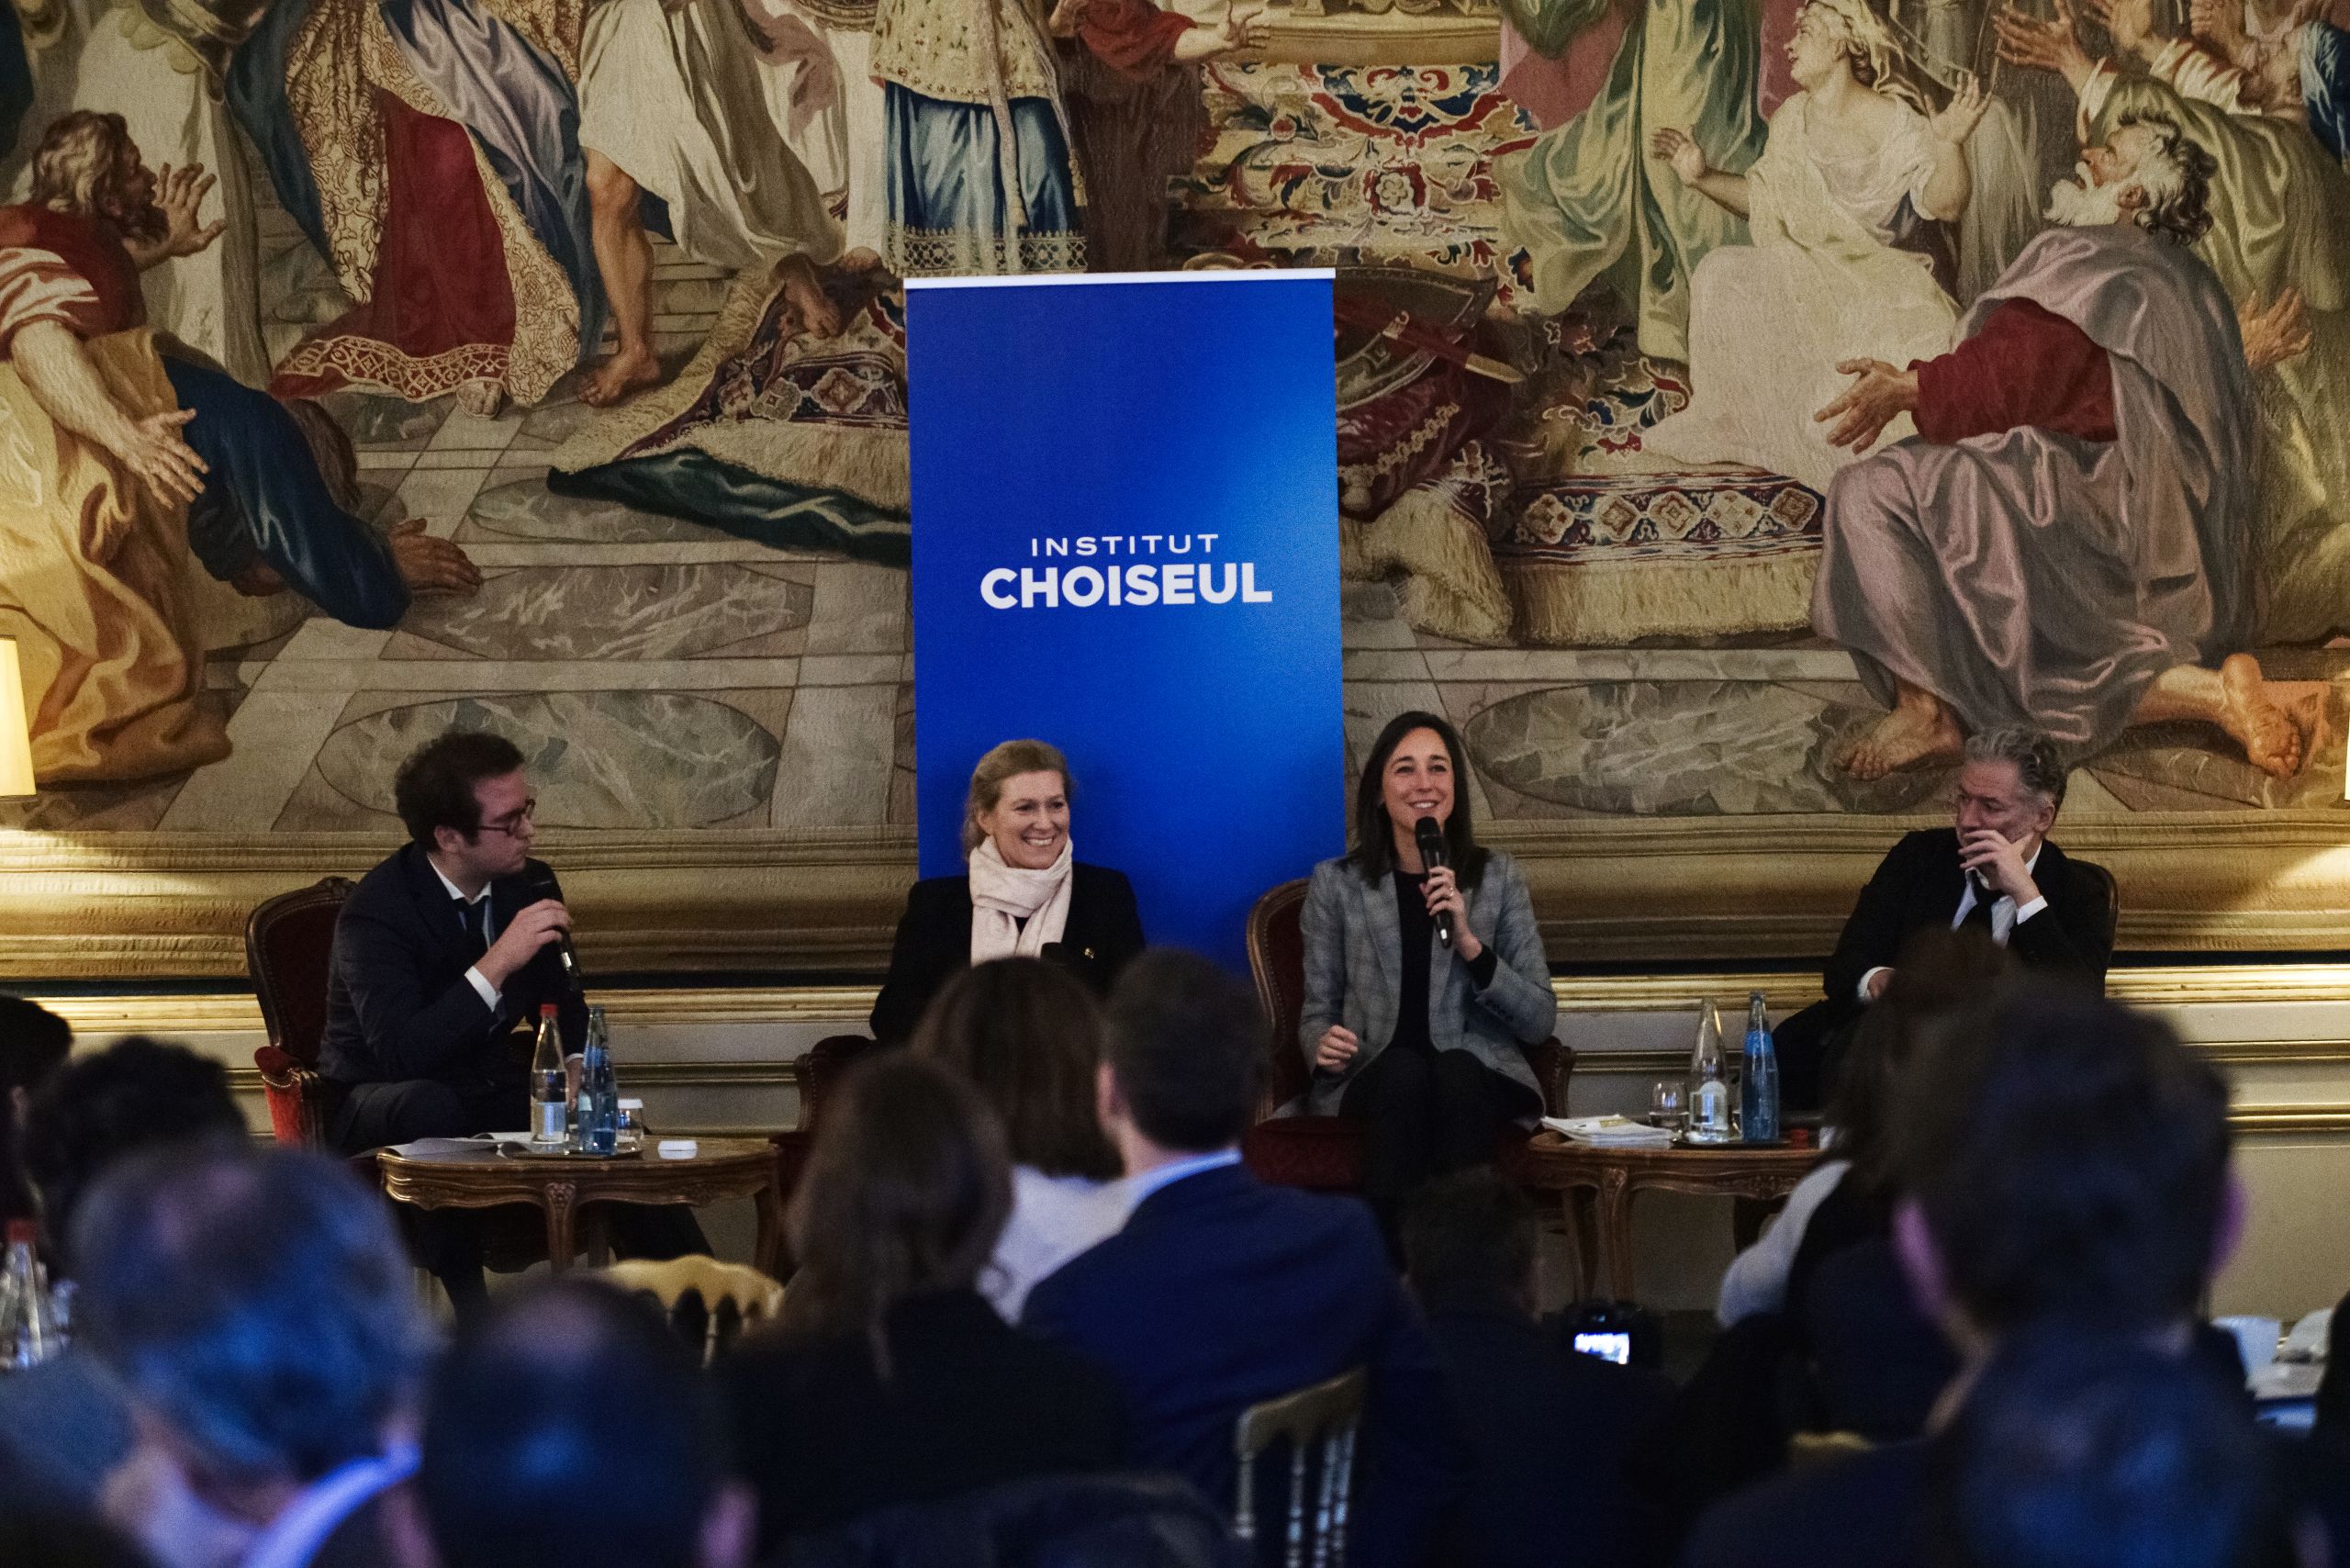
{"points": [[29, 1333], [1709, 1114], [1759, 1092], [599, 1104], [549, 1086]]}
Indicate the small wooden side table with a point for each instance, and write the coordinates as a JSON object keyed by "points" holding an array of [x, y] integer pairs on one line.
{"points": [[569, 1189], [1588, 1178]]}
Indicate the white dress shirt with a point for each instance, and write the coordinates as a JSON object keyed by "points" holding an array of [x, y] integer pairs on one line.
{"points": [[480, 982], [2004, 917]]}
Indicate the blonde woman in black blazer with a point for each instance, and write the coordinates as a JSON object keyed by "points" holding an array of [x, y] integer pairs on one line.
{"points": [[1024, 896]]}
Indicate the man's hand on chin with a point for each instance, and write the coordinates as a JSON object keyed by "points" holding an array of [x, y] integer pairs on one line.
{"points": [[2000, 862]]}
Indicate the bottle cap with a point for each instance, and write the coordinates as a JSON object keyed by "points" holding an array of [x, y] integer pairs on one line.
{"points": [[22, 1232], [546, 1009]]}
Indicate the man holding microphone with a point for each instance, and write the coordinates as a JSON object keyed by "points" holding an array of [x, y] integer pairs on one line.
{"points": [[442, 961]]}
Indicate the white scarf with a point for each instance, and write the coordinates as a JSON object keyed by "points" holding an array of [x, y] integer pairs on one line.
{"points": [[1003, 896]]}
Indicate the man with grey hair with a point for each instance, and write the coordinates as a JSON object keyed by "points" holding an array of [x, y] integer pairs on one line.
{"points": [[1994, 868], [260, 1312], [2067, 542]]}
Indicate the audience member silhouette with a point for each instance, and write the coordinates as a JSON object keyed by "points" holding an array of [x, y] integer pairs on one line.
{"points": [[568, 1427], [890, 1378], [66, 1421], [261, 1313], [1547, 1427], [2055, 1157], [1223, 1291], [2080, 1449], [1028, 1033]]}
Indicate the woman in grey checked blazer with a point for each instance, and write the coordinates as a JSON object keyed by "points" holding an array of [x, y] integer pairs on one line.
{"points": [[1415, 1039]]}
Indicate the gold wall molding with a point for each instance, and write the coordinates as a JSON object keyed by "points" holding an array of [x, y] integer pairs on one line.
{"points": [[849, 1006], [99, 906]]}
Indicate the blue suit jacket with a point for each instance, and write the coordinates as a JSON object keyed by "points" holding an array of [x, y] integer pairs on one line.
{"points": [[1222, 1291]]}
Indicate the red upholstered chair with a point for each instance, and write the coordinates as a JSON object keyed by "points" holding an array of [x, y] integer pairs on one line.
{"points": [[1323, 1153], [288, 941]]}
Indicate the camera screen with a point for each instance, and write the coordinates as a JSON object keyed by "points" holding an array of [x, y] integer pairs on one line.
{"points": [[1617, 1348]]}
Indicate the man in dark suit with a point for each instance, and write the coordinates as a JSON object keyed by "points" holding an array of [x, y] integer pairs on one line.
{"points": [[1994, 868], [1222, 1291], [1547, 1428], [442, 961]]}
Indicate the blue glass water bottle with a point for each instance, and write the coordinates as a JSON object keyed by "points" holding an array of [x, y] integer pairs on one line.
{"points": [[1759, 1095]]}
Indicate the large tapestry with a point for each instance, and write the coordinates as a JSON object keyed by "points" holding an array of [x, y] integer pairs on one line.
{"points": [[1741, 402]]}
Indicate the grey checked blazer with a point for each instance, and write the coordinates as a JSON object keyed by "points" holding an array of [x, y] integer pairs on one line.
{"points": [[1353, 963]]}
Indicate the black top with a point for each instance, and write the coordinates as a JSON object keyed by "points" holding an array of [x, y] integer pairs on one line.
{"points": [[399, 1004], [1417, 930], [933, 941], [1548, 1431], [1412, 923], [1861, 1510], [969, 1402]]}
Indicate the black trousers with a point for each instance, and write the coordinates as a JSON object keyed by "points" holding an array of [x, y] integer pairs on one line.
{"points": [[447, 1242], [1425, 1114]]}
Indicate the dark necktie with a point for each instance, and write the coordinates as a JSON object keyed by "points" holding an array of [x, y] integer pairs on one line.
{"points": [[475, 918], [1979, 916]]}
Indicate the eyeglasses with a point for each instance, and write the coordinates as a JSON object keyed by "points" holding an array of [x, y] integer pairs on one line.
{"points": [[512, 823]]}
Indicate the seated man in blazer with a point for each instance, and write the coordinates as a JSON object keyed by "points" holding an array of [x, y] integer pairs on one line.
{"points": [[1995, 869], [1223, 1291], [441, 959]]}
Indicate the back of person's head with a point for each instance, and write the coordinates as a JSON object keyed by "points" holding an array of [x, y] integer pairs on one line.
{"points": [[1469, 1240], [1028, 1035], [905, 1193], [568, 1427], [258, 1303], [33, 1043], [2082, 1449], [135, 1095], [2059, 1154], [2334, 1388], [1186, 1050], [1939, 974], [435, 787]]}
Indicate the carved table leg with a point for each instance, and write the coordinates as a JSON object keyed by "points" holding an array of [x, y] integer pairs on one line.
{"points": [[1578, 1213], [596, 1233], [1615, 1231], [561, 1197]]}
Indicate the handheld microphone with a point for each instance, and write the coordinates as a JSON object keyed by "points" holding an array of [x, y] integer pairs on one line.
{"points": [[1430, 838], [542, 886]]}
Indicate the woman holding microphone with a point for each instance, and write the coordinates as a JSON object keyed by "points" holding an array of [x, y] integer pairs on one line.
{"points": [[1025, 895], [1424, 974]]}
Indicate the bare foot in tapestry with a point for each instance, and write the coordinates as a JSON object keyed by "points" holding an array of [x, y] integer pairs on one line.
{"points": [[1918, 731], [2257, 713], [631, 370]]}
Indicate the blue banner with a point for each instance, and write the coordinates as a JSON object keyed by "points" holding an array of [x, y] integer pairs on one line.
{"points": [[1125, 543]]}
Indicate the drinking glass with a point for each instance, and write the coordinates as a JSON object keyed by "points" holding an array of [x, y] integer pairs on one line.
{"points": [[1667, 1101]]}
